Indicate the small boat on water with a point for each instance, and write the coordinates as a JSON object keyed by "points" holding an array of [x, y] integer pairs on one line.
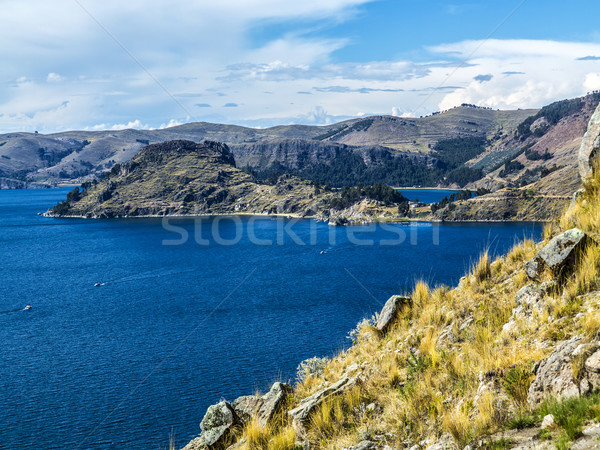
{"points": [[98, 284], [28, 307]]}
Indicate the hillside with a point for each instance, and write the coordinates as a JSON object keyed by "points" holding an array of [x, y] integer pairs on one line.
{"points": [[185, 178], [72, 156], [533, 173], [510, 358], [182, 178], [526, 157]]}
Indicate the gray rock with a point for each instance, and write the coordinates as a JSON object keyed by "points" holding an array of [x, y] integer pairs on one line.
{"points": [[560, 253], [246, 407], [588, 151], [532, 293], [576, 195], [390, 311], [554, 375], [592, 369], [196, 444], [263, 408], [547, 421], [446, 442], [534, 267], [364, 445], [589, 440], [301, 414], [273, 402], [217, 426], [528, 299]]}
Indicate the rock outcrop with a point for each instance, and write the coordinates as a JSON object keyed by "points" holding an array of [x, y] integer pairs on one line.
{"points": [[528, 301], [590, 146], [302, 413], [559, 255], [264, 408], [390, 311], [569, 371], [218, 426]]}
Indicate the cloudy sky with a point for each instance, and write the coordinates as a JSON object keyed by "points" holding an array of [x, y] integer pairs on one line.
{"points": [[91, 64]]}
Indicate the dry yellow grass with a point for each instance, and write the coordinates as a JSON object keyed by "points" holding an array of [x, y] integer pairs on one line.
{"points": [[255, 435]]}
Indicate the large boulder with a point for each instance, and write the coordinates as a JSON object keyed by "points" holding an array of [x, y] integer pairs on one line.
{"points": [[590, 146], [554, 377], [218, 427], [528, 301], [302, 413], [390, 311], [264, 408], [560, 254], [247, 406], [573, 369]]}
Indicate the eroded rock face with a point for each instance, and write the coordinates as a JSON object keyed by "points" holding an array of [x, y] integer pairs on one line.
{"points": [[301, 414], [217, 427], [590, 146], [263, 408], [573, 369], [390, 311], [554, 376]]}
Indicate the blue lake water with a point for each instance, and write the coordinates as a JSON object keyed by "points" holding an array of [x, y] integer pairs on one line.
{"points": [[176, 328], [427, 195]]}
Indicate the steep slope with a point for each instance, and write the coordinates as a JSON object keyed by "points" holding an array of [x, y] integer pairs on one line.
{"points": [[510, 358], [533, 172]]}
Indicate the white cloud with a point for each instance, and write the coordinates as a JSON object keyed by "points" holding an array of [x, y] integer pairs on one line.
{"points": [[548, 71], [137, 124], [171, 123], [67, 73], [53, 78], [592, 81]]}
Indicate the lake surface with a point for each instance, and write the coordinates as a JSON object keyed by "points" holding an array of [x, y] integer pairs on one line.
{"points": [[427, 195], [190, 311]]}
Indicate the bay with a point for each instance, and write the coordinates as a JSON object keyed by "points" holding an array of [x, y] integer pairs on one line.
{"points": [[188, 311]]}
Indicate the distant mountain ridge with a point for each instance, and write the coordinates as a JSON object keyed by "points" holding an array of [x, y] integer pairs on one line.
{"points": [[76, 156], [527, 158]]}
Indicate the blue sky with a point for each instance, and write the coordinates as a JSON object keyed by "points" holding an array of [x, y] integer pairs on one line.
{"points": [[82, 64]]}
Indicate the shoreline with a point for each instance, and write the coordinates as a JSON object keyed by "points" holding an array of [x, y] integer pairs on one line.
{"points": [[293, 216], [424, 189]]}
